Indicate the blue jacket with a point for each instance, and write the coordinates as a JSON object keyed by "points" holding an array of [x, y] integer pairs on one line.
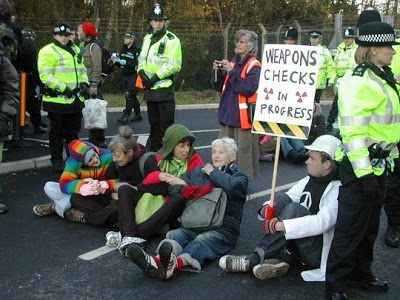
{"points": [[228, 111], [234, 183]]}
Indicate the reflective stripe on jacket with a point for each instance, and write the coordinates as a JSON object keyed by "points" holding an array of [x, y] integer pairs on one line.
{"points": [[344, 60], [369, 113], [325, 70], [59, 69], [243, 100], [163, 58]]}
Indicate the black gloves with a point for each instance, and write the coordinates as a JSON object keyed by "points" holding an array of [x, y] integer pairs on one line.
{"points": [[68, 92], [370, 187], [145, 79], [84, 90], [154, 79], [5, 125]]}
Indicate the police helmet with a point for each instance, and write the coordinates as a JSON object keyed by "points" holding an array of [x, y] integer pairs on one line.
{"points": [[157, 13]]}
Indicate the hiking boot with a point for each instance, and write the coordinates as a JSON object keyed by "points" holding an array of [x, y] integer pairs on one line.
{"points": [[144, 261], [74, 215], [270, 268], [137, 117], [45, 209], [113, 238], [39, 129], [232, 263], [124, 119], [392, 236], [3, 208], [167, 259], [127, 240]]}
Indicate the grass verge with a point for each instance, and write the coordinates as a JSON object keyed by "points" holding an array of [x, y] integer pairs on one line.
{"points": [[181, 98]]}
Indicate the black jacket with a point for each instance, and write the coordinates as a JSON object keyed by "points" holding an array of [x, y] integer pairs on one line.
{"points": [[131, 56]]}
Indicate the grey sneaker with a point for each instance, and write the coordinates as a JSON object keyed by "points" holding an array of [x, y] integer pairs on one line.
{"points": [[127, 240], [74, 215], [113, 238], [232, 263], [45, 209], [270, 269]]}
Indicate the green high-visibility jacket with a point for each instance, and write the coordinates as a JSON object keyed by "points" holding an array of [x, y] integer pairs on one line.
{"points": [[59, 68], [369, 113], [163, 58], [325, 70], [344, 60]]}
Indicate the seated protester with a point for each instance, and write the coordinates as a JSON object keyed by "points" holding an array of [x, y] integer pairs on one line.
{"points": [[318, 127], [84, 173], [188, 248], [267, 147], [304, 222], [178, 158], [102, 210], [293, 150]]}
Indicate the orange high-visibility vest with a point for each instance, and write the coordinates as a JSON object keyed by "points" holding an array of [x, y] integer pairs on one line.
{"points": [[243, 101]]}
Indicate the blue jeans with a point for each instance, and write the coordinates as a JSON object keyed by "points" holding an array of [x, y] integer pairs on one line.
{"points": [[201, 245], [308, 250], [291, 144]]}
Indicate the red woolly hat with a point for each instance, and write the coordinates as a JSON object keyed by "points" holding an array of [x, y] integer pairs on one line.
{"points": [[89, 29]]}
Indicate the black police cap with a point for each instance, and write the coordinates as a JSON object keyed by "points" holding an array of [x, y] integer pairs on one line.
{"points": [[349, 33], [376, 34], [62, 29], [367, 16]]}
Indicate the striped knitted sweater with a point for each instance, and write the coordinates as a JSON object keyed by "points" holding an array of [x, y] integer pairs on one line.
{"points": [[75, 172]]}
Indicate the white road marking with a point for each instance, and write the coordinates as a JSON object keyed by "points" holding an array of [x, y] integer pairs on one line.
{"points": [[105, 249], [96, 253]]}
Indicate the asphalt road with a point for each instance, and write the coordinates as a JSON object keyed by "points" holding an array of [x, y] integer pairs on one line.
{"points": [[39, 256]]}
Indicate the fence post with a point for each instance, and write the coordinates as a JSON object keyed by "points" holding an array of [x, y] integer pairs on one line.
{"points": [[337, 37], [277, 33], [226, 40], [263, 36], [299, 30]]}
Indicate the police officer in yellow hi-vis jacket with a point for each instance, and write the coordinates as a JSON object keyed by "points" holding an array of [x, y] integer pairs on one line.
{"points": [[344, 60], [64, 78], [325, 63], [369, 123], [159, 60]]}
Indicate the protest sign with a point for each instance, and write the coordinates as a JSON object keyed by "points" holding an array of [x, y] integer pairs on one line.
{"points": [[285, 96]]}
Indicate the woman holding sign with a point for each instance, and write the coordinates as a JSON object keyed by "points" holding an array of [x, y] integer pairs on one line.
{"points": [[237, 80], [369, 125]]}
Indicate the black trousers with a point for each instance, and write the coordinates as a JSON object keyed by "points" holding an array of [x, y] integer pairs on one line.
{"points": [[168, 213], [317, 96], [62, 127], [96, 135], [351, 253], [308, 250], [132, 102], [392, 199], [333, 113], [33, 101], [100, 210], [161, 116]]}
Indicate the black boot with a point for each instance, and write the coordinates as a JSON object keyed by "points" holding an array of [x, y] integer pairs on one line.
{"points": [[124, 119], [392, 236], [137, 117]]}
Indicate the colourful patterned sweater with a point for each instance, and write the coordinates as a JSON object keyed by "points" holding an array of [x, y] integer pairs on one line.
{"points": [[75, 171]]}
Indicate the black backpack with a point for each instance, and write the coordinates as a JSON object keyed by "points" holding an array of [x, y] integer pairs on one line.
{"points": [[107, 65]]}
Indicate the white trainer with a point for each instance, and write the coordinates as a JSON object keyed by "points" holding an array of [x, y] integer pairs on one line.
{"points": [[113, 238]]}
